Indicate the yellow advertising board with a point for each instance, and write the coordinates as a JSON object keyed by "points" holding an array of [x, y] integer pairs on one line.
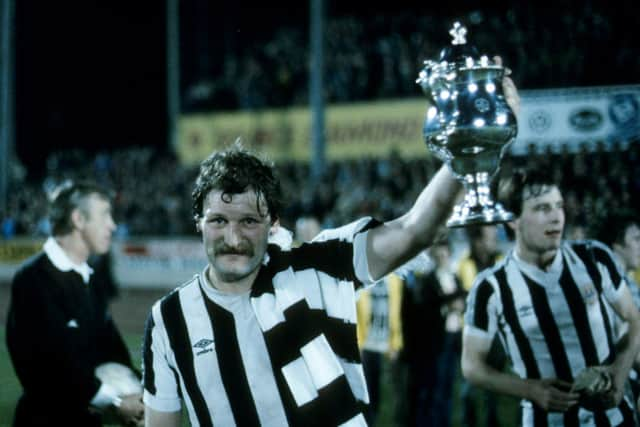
{"points": [[17, 250], [354, 130]]}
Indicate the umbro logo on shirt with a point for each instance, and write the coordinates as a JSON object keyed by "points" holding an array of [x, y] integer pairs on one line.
{"points": [[203, 346]]}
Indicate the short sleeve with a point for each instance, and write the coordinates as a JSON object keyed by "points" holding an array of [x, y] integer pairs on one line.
{"points": [[611, 273], [480, 316], [161, 389], [355, 233]]}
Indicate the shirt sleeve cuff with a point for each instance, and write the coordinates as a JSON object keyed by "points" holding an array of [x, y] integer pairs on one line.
{"points": [[360, 261], [105, 396], [477, 332], [161, 404]]}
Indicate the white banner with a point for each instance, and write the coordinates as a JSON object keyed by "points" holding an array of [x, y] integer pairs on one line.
{"points": [[577, 116], [157, 263], [136, 263]]}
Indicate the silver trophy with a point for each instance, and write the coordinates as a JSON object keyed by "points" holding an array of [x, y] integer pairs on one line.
{"points": [[468, 125]]}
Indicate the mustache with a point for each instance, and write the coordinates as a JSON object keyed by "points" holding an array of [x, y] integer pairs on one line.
{"points": [[222, 248]]}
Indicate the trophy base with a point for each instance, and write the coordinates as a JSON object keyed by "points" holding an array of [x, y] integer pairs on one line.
{"points": [[465, 217]]}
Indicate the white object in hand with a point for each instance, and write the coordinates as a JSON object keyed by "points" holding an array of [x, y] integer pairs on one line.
{"points": [[123, 380]]}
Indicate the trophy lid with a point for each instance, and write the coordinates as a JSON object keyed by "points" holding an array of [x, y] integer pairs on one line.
{"points": [[459, 49]]}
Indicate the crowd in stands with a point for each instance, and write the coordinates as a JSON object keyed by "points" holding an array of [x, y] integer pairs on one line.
{"points": [[152, 190], [379, 55], [373, 56]]}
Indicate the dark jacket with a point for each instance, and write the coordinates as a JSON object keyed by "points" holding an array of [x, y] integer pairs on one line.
{"points": [[423, 319], [58, 331]]}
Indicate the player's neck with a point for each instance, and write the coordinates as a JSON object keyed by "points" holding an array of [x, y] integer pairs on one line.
{"points": [[75, 248], [542, 260], [236, 287]]}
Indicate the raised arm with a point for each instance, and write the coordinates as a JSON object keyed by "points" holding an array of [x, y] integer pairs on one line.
{"points": [[395, 242]]}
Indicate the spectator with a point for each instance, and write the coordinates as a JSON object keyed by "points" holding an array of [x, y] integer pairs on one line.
{"points": [[427, 296], [380, 336], [483, 253], [621, 232]]}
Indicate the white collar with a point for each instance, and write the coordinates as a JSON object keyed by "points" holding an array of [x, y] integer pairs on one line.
{"points": [[62, 262], [543, 276]]}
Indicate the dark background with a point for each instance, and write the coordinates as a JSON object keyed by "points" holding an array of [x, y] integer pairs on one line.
{"points": [[88, 74], [92, 74]]}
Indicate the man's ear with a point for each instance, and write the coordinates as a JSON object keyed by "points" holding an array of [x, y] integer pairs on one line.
{"points": [[513, 225], [275, 225], [78, 219], [198, 221]]}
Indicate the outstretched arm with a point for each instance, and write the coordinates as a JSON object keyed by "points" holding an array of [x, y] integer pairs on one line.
{"points": [[395, 242], [549, 394]]}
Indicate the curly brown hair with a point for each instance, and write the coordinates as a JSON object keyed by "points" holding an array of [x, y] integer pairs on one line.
{"points": [[234, 171]]}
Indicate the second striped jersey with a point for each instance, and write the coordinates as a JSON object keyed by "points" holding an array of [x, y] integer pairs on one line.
{"points": [[553, 323]]}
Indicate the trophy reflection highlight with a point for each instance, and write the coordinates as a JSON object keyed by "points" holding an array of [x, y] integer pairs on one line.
{"points": [[468, 125]]}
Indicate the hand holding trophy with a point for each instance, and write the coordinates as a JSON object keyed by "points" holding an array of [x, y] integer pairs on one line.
{"points": [[469, 124]]}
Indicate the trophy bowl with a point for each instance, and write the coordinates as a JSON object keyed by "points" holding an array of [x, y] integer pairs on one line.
{"points": [[468, 125]]}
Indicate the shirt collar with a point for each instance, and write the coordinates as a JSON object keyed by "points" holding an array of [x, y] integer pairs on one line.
{"points": [[555, 268], [62, 262]]}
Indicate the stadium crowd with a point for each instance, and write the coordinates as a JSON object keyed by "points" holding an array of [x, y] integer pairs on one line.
{"points": [[159, 205], [379, 56]]}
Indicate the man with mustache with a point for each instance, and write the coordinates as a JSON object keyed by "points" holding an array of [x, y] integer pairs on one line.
{"points": [[551, 303], [266, 335]]}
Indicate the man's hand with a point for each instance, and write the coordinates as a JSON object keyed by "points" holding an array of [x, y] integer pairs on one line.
{"points": [[596, 386], [552, 395], [509, 88], [613, 396], [131, 410]]}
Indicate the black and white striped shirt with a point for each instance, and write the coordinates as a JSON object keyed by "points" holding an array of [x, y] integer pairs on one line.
{"points": [[553, 323], [303, 306]]}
